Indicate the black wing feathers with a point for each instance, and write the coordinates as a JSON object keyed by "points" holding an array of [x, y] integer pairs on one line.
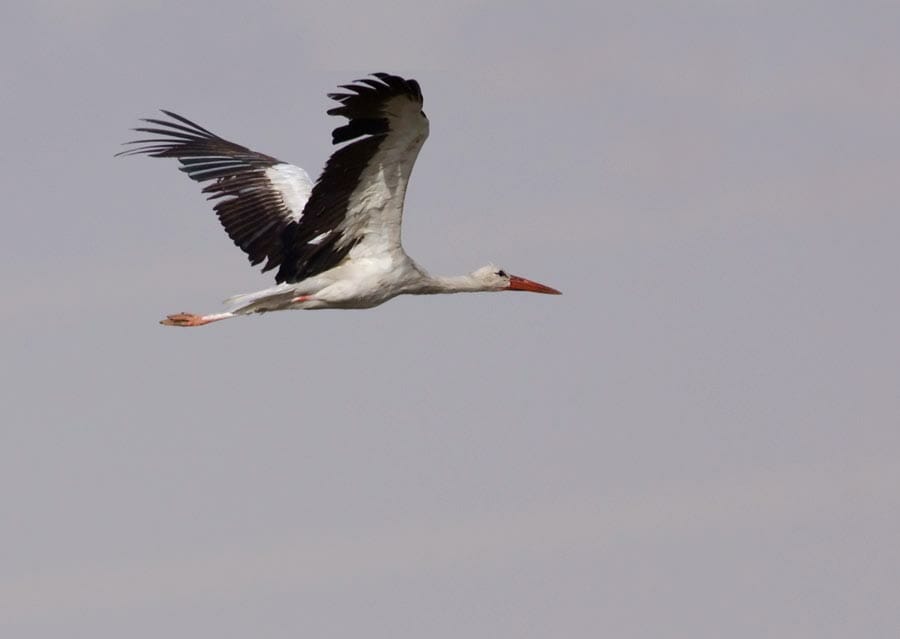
{"points": [[364, 106], [326, 209], [252, 213]]}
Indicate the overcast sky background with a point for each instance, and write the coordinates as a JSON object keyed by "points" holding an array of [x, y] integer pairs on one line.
{"points": [[698, 439]]}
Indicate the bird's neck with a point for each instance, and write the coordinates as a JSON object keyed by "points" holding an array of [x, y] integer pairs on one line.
{"points": [[449, 284]]}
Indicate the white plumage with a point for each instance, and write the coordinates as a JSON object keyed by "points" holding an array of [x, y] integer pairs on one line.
{"points": [[336, 243], [294, 186]]}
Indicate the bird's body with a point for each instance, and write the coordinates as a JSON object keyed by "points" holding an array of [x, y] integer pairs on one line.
{"points": [[336, 243]]}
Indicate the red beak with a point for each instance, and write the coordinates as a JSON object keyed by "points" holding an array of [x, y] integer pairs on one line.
{"points": [[517, 283]]}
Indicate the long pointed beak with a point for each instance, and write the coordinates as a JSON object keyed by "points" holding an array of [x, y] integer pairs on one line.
{"points": [[517, 283]]}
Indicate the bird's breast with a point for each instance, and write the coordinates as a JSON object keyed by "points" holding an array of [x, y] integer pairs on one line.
{"points": [[368, 282]]}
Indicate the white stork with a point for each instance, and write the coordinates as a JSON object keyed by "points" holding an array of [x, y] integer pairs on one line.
{"points": [[336, 243]]}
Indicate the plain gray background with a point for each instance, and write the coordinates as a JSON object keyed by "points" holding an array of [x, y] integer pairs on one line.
{"points": [[698, 439]]}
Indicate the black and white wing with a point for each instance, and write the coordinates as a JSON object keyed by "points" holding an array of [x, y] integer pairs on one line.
{"points": [[272, 211], [356, 206], [257, 196]]}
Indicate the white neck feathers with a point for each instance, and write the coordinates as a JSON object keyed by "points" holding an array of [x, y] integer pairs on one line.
{"points": [[449, 284]]}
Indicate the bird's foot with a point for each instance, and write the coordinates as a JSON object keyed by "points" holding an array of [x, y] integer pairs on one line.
{"points": [[301, 298], [186, 319]]}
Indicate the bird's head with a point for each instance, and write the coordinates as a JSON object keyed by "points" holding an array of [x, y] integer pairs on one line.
{"points": [[494, 278]]}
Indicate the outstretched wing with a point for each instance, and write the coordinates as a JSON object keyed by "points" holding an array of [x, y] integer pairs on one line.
{"points": [[271, 209], [258, 196], [356, 206]]}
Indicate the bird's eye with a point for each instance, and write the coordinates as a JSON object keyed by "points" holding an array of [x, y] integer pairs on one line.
{"points": [[501, 273]]}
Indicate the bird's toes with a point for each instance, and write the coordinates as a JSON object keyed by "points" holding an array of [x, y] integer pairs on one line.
{"points": [[181, 319]]}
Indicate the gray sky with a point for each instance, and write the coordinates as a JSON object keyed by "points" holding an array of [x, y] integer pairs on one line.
{"points": [[698, 439]]}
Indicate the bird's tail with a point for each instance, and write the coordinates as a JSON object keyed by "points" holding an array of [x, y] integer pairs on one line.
{"points": [[270, 299]]}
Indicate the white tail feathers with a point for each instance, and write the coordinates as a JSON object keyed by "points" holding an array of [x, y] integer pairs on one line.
{"points": [[270, 299]]}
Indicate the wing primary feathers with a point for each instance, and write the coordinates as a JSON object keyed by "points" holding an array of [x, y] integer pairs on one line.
{"points": [[184, 120], [249, 206]]}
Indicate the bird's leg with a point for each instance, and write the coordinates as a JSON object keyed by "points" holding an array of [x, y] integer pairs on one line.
{"points": [[190, 319], [301, 298]]}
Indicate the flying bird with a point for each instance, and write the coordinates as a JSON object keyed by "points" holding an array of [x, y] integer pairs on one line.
{"points": [[335, 243]]}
